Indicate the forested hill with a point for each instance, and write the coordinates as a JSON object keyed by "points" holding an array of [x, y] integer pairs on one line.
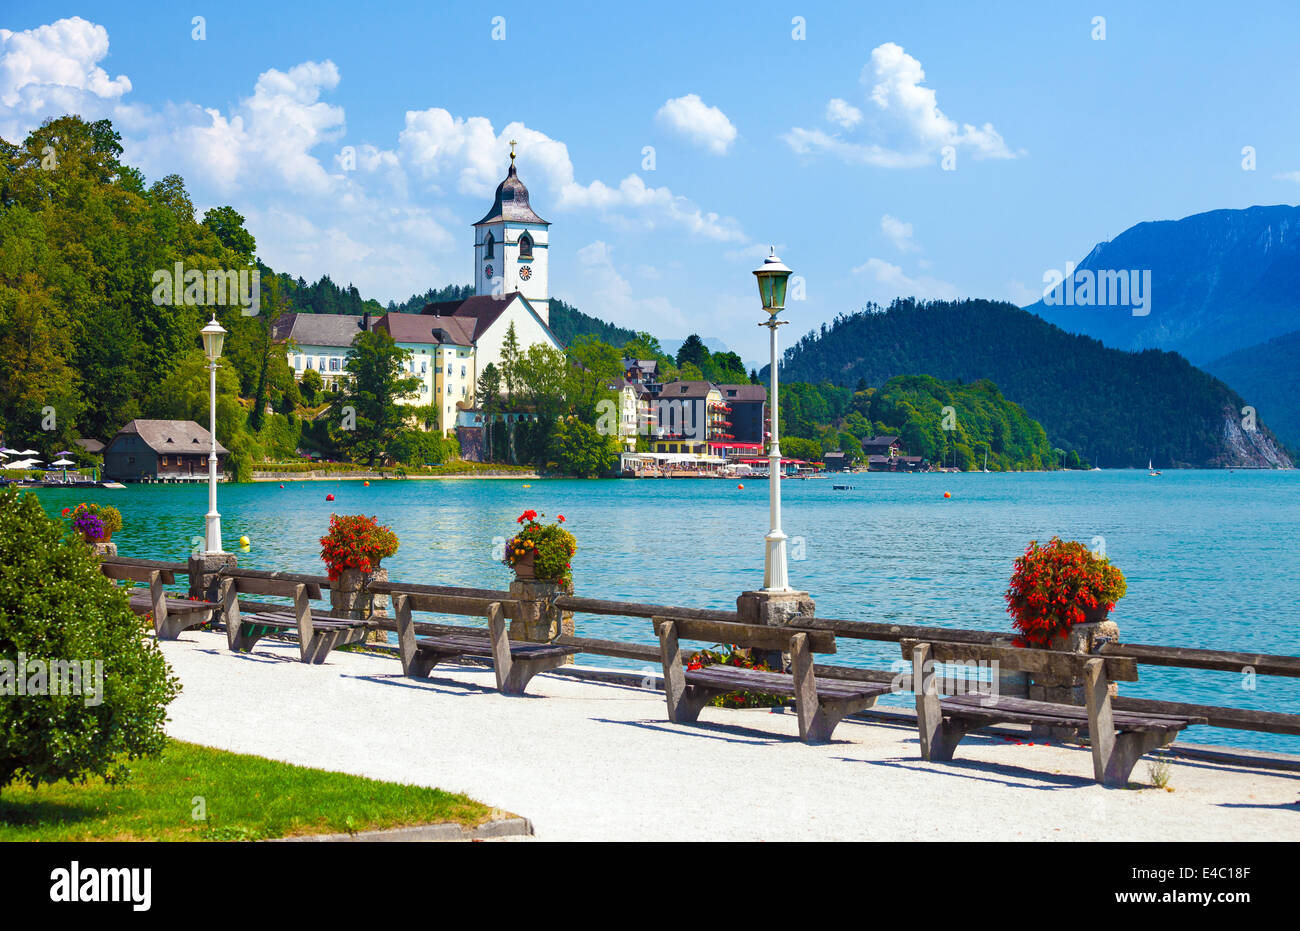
{"points": [[1114, 408]]}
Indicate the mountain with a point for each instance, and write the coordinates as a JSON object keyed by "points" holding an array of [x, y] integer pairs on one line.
{"points": [[1114, 408], [568, 323], [1268, 377], [1218, 281]]}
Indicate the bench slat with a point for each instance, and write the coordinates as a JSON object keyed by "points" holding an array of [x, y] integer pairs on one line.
{"points": [[455, 645], [1027, 711], [289, 622], [732, 678], [747, 635]]}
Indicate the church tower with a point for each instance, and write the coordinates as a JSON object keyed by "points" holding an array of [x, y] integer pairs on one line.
{"points": [[510, 247]]}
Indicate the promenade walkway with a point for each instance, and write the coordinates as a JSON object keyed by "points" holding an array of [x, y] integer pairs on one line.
{"points": [[589, 761]]}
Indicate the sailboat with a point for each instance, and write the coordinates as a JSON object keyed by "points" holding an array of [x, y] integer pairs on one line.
{"points": [[1152, 470], [986, 459]]}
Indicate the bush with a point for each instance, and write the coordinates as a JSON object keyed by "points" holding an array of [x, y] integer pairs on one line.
{"points": [[311, 386], [1058, 585], [57, 606]]}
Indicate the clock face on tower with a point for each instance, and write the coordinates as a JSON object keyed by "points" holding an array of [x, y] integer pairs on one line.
{"points": [[487, 271], [525, 272]]}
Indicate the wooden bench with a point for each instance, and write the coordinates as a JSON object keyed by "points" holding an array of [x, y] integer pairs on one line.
{"points": [[820, 704], [1118, 738], [515, 662], [318, 634], [170, 615]]}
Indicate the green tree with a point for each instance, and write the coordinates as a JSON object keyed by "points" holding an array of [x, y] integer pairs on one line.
{"points": [[693, 352], [510, 358], [311, 386], [56, 606], [377, 366], [578, 448]]}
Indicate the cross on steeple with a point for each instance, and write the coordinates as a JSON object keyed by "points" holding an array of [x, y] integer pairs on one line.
{"points": [[512, 151]]}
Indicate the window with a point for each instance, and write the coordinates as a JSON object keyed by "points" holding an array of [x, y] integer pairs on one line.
{"points": [[309, 363], [297, 363], [525, 246], [424, 366], [334, 363], [462, 371], [489, 247]]}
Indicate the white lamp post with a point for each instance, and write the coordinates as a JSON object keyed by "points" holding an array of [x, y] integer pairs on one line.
{"points": [[213, 337], [772, 277]]}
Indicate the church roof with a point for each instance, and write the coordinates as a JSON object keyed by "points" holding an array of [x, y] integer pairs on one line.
{"points": [[479, 312], [511, 202], [418, 328]]}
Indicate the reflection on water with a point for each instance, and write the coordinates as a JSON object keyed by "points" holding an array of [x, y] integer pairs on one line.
{"points": [[1210, 556]]}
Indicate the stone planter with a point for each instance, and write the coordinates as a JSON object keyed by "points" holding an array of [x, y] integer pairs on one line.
{"points": [[1080, 638], [350, 599]]}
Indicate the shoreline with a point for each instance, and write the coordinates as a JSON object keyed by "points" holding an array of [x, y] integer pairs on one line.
{"points": [[375, 477]]}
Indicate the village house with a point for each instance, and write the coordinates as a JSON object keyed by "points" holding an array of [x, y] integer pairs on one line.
{"points": [[161, 451], [886, 446]]}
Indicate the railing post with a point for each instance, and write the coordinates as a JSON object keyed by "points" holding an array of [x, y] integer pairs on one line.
{"points": [[774, 609], [203, 573], [542, 619]]}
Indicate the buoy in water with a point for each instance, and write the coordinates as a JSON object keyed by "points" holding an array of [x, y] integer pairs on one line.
{"points": [[741, 487], [243, 541], [947, 494], [366, 483], [528, 486], [329, 497], [281, 486]]}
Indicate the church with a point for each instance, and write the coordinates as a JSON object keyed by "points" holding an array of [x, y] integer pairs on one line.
{"points": [[451, 342]]}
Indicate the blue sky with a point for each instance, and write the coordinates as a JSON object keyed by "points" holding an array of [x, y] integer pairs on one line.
{"points": [[830, 146]]}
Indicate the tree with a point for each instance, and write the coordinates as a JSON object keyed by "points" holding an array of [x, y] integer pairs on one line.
{"points": [[578, 448], [311, 385], [228, 226], [377, 366], [488, 391], [510, 356], [58, 609], [693, 351], [593, 367]]}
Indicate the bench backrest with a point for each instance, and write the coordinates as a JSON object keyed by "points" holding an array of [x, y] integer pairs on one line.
{"points": [[1041, 662], [137, 573], [468, 606], [759, 636], [259, 585]]}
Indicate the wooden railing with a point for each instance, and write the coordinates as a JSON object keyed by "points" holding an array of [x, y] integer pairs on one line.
{"points": [[473, 602]]}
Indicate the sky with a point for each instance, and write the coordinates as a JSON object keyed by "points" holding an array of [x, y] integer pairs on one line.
{"points": [[935, 150]]}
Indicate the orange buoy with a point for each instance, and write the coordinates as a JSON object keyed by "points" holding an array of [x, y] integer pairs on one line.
{"points": [[366, 483], [947, 494], [281, 486], [741, 487], [329, 497]]}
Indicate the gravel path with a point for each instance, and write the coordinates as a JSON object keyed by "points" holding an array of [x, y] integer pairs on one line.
{"points": [[589, 761]]}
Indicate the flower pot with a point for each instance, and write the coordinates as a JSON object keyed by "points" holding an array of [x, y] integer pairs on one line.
{"points": [[523, 565]]}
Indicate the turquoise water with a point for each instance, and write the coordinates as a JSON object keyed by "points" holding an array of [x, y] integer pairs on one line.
{"points": [[1210, 557]]}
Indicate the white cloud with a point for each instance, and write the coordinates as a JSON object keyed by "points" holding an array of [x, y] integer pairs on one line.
{"points": [[899, 233], [697, 122], [610, 296], [842, 112], [908, 127], [893, 282], [1288, 176], [1021, 294], [54, 69]]}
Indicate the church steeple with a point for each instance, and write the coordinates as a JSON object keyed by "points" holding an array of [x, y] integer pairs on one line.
{"points": [[510, 245]]}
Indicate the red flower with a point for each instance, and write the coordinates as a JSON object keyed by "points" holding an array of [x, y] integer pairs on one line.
{"points": [[560, 518]]}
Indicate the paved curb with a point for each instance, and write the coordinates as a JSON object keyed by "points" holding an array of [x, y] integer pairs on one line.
{"points": [[425, 833]]}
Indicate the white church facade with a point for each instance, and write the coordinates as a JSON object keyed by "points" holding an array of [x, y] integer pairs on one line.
{"points": [[451, 342]]}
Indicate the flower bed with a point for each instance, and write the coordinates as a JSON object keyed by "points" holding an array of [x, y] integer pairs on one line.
{"points": [[732, 656], [96, 523], [1056, 586]]}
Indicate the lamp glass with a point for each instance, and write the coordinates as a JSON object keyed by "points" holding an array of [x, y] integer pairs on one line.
{"points": [[772, 277], [213, 336]]}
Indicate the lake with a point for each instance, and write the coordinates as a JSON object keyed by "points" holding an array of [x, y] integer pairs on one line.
{"points": [[1210, 556]]}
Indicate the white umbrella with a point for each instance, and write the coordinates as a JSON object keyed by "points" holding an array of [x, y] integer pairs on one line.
{"points": [[62, 462], [28, 452]]}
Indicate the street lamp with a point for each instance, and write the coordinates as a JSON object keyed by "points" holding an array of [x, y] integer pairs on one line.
{"points": [[772, 276], [213, 337]]}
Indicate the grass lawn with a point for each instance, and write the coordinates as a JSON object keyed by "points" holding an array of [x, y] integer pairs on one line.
{"points": [[246, 798]]}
